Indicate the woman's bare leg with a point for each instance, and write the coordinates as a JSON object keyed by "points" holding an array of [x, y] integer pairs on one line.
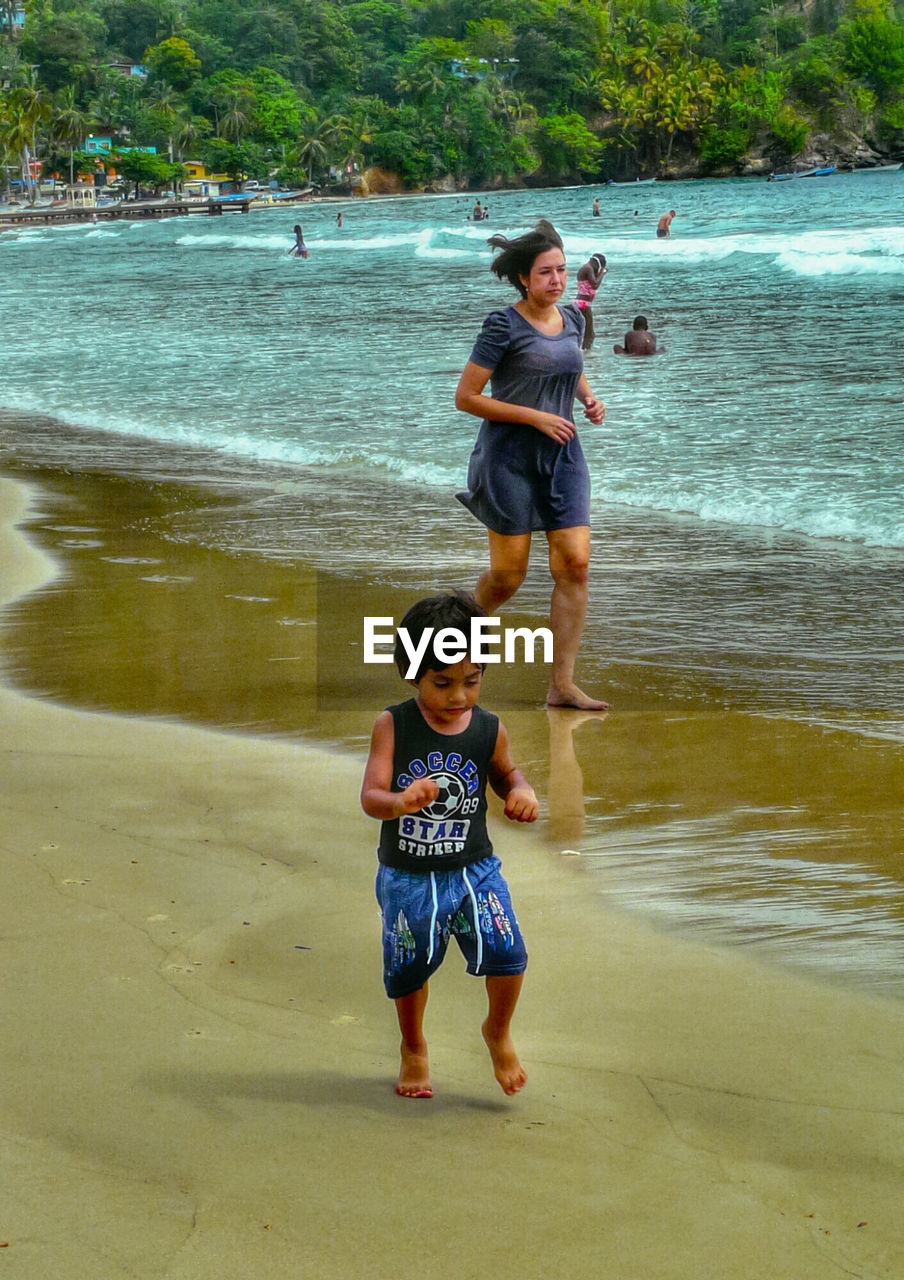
{"points": [[508, 565], [569, 558]]}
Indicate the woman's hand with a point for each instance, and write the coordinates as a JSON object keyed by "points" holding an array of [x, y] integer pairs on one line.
{"points": [[594, 411], [558, 429]]}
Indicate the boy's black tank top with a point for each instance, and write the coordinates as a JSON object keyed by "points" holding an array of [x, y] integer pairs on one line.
{"points": [[452, 831]]}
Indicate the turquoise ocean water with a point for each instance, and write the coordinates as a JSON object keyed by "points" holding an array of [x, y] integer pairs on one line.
{"points": [[748, 514]]}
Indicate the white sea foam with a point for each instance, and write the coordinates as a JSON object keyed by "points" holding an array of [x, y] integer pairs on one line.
{"points": [[842, 251], [437, 251], [219, 241], [209, 433], [839, 264], [808, 511]]}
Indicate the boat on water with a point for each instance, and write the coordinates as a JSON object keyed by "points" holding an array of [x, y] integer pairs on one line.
{"points": [[879, 168], [805, 173]]}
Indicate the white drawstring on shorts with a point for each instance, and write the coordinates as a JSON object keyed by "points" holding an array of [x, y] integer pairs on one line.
{"points": [[433, 916], [476, 920]]}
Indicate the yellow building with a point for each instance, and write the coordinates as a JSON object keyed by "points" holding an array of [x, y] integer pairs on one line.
{"points": [[197, 172]]}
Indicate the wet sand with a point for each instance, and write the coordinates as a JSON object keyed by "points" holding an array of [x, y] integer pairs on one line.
{"points": [[200, 1058], [688, 806]]}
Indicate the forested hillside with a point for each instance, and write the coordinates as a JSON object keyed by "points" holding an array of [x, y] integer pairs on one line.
{"points": [[456, 92]]}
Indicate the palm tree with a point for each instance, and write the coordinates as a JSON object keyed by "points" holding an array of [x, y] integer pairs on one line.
{"points": [[422, 83], [189, 131], [311, 152], [322, 140], [165, 104], [235, 121], [26, 108], [69, 124]]}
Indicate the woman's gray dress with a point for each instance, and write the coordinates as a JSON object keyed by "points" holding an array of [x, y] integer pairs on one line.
{"points": [[520, 480]]}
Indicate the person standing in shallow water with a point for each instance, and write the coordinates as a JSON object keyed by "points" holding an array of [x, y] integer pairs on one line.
{"points": [[527, 471], [664, 229], [590, 277], [299, 248]]}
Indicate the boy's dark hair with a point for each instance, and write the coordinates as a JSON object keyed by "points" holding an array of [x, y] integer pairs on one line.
{"points": [[453, 610], [640, 322], [516, 257]]}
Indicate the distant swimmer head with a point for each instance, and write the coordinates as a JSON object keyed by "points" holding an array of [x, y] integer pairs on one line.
{"points": [[640, 322], [516, 257]]}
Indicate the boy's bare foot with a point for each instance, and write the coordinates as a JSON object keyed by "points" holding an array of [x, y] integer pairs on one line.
{"points": [[508, 1070], [414, 1074], [572, 696]]}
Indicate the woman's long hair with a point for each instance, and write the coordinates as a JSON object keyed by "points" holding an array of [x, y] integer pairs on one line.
{"points": [[516, 257]]}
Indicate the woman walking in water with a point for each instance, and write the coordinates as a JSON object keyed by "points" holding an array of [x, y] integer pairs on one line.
{"points": [[527, 471], [299, 248], [590, 277]]}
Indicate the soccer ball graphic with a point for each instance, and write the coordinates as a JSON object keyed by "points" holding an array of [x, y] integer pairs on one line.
{"points": [[448, 802]]}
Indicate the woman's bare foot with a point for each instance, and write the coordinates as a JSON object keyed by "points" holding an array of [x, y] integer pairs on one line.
{"points": [[569, 718], [508, 1069], [572, 696], [414, 1074]]}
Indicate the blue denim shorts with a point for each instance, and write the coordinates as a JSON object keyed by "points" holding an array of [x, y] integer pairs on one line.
{"points": [[421, 911]]}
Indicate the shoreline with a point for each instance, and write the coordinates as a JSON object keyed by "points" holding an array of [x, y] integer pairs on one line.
{"points": [[670, 587], [695, 814], [204, 1055]]}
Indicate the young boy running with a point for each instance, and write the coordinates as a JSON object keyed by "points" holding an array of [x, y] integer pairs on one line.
{"points": [[426, 776]]}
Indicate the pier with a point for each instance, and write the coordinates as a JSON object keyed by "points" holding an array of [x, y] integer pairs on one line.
{"points": [[128, 209]]}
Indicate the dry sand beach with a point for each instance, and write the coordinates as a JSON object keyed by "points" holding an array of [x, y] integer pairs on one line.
{"points": [[198, 1057]]}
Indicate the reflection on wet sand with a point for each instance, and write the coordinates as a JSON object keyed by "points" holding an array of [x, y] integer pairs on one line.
{"points": [[565, 798]]}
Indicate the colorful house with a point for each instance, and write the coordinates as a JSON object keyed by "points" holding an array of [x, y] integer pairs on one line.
{"points": [[96, 145], [136, 69], [14, 19], [201, 184]]}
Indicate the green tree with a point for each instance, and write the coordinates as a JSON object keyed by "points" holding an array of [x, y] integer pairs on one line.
{"points": [[143, 169], [872, 44], [69, 124], [135, 25], [25, 108], [63, 47], [174, 62], [240, 160], [566, 146]]}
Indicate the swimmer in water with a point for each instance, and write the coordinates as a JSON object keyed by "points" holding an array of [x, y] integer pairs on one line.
{"points": [[639, 341], [299, 248], [664, 229]]}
